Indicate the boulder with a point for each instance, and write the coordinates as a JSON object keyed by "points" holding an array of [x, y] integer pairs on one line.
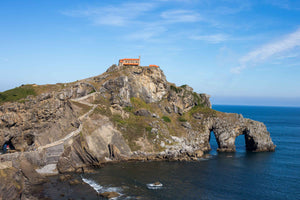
{"points": [[199, 153], [143, 112], [109, 195], [74, 182]]}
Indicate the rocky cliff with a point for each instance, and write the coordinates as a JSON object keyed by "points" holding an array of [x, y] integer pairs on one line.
{"points": [[126, 113]]}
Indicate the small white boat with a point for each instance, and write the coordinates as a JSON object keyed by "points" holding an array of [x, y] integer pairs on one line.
{"points": [[153, 186]]}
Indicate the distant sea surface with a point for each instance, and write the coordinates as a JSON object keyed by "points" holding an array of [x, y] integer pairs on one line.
{"points": [[239, 175]]}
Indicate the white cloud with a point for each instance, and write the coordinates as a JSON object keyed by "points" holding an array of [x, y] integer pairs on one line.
{"points": [[266, 51], [176, 16], [291, 55], [216, 38], [112, 15]]}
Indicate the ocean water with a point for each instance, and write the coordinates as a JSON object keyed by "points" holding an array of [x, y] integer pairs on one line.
{"points": [[239, 175]]}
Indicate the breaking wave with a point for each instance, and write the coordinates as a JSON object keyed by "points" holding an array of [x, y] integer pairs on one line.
{"points": [[99, 188]]}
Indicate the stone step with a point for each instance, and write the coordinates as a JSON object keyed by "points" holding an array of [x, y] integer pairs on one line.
{"points": [[53, 155], [55, 150], [52, 160]]}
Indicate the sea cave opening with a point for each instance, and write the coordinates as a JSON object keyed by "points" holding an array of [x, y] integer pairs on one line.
{"points": [[213, 142], [240, 143]]}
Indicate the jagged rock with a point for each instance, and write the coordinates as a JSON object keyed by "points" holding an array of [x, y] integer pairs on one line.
{"points": [[168, 109], [155, 115], [186, 125], [31, 175], [143, 112], [114, 152], [149, 85], [11, 184], [198, 116], [113, 68]]}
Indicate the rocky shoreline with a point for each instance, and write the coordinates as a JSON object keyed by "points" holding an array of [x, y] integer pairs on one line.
{"points": [[125, 114]]}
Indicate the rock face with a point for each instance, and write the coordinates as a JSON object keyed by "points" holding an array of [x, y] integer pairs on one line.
{"points": [[126, 113]]}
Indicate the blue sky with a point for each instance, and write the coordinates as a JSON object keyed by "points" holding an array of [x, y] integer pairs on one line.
{"points": [[240, 52]]}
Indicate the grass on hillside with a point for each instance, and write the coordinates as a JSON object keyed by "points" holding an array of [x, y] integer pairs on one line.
{"points": [[166, 118], [207, 112], [17, 94]]}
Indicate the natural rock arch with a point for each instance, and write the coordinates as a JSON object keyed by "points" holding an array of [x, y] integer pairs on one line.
{"points": [[228, 127]]}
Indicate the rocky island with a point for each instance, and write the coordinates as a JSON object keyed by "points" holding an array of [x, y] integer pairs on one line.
{"points": [[126, 113]]}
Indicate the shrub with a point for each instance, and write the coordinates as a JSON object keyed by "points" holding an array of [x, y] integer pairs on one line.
{"points": [[183, 86], [92, 91], [176, 89], [181, 119], [166, 119]]}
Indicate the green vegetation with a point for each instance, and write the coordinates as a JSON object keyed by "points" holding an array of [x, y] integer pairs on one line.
{"points": [[181, 119], [183, 86], [176, 89], [198, 99], [17, 94], [166, 119], [128, 109], [203, 110], [135, 127], [149, 129], [101, 100], [139, 103], [92, 91], [102, 110], [118, 119]]}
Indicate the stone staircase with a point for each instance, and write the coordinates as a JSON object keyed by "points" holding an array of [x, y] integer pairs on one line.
{"points": [[53, 153]]}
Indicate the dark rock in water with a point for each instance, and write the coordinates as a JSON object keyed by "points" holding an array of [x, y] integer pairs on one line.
{"points": [[199, 153], [109, 195], [65, 177], [74, 182]]}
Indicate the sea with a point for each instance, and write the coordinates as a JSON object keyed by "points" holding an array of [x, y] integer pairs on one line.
{"points": [[240, 175]]}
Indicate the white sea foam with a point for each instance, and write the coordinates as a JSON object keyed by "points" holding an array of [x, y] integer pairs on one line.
{"points": [[93, 184], [100, 189]]}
